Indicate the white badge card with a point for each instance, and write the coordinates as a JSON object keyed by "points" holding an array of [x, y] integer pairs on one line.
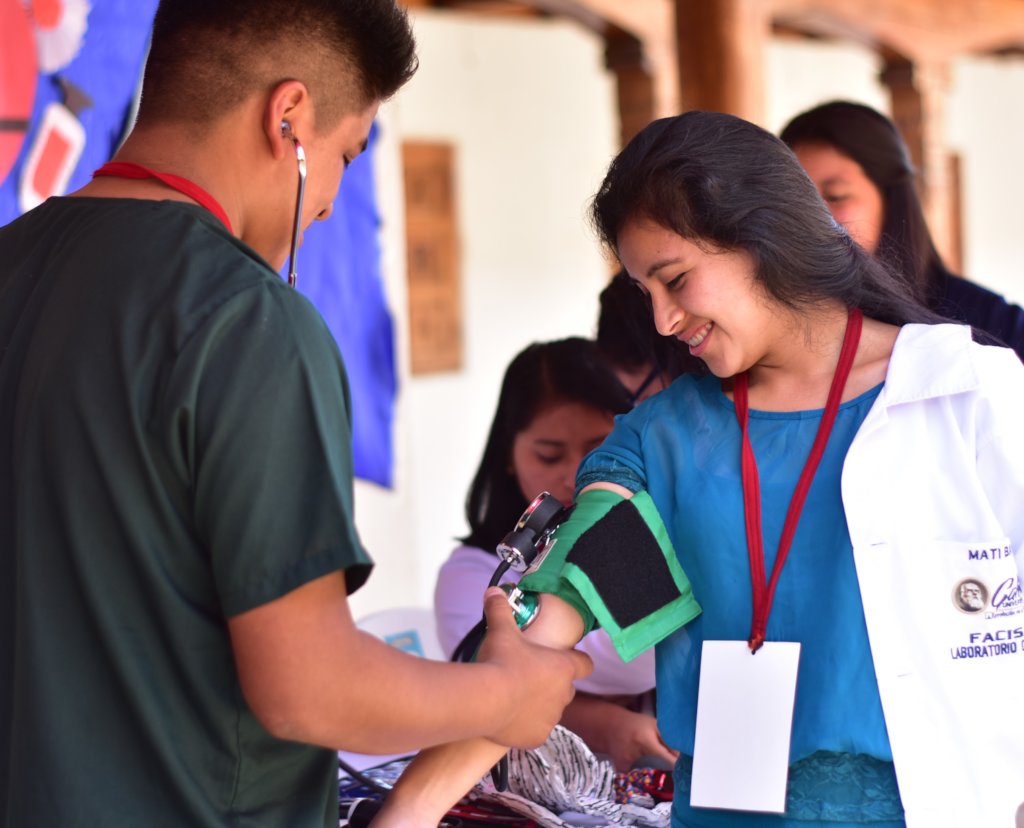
{"points": [[744, 722]]}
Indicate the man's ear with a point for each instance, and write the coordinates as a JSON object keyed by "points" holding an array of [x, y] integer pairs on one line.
{"points": [[288, 103]]}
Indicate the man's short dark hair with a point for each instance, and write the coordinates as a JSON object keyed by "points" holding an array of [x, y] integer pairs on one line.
{"points": [[207, 56]]}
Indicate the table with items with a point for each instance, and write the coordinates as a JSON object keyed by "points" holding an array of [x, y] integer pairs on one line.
{"points": [[561, 784]]}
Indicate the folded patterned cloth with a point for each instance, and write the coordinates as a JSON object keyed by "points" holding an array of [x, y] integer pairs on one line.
{"points": [[563, 776], [643, 786]]}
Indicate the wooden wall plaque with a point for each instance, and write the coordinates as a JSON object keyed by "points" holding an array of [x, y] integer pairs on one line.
{"points": [[432, 257]]}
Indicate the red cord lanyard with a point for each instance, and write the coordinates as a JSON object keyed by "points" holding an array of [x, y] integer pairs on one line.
{"points": [[764, 594], [127, 169]]}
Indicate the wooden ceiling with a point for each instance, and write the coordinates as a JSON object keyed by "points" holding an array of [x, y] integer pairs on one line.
{"points": [[669, 55], [922, 29]]}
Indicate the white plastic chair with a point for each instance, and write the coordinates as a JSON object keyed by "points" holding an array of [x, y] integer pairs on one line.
{"points": [[411, 629]]}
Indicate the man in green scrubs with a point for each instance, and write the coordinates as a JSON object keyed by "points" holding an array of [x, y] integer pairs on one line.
{"points": [[176, 525]]}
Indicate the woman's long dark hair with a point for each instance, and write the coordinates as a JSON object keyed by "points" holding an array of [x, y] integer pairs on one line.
{"points": [[543, 374], [873, 141], [717, 179]]}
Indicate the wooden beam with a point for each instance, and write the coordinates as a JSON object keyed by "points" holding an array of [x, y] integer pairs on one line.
{"points": [[923, 30], [640, 46], [569, 9], [498, 8]]}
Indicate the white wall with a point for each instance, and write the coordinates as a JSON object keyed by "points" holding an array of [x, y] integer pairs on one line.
{"points": [[800, 74], [986, 125], [530, 110]]}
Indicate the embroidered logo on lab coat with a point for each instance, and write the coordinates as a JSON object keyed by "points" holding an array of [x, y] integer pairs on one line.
{"points": [[986, 593]]}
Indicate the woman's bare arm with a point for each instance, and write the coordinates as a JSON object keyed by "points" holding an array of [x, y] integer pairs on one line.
{"points": [[438, 777]]}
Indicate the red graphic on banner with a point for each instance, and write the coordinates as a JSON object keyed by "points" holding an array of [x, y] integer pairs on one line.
{"points": [[54, 151], [18, 76], [40, 37], [47, 13]]}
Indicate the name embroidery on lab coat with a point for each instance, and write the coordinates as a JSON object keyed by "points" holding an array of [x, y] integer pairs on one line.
{"points": [[989, 600]]}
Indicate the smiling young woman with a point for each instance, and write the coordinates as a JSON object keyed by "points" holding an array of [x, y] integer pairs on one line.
{"points": [[822, 488]]}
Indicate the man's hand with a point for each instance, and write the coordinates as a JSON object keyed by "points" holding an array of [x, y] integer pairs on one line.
{"points": [[539, 671]]}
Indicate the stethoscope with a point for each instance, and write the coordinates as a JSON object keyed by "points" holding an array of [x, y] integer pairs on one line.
{"points": [[300, 157]]}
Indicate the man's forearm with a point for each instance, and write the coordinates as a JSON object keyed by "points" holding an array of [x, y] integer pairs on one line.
{"points": [[438, 777], [310, 675]]}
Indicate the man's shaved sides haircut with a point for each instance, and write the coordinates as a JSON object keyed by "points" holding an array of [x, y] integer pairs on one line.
{"points": [[207, 56]]}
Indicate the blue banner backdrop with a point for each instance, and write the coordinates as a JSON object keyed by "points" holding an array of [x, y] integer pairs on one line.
{"points": [[69, 74]]}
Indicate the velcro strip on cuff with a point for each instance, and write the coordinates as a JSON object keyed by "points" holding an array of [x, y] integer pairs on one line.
{"points": [[625, 569]]}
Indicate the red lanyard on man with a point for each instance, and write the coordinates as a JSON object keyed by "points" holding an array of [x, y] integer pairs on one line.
{"points": [[763, 593], [128, 169]]}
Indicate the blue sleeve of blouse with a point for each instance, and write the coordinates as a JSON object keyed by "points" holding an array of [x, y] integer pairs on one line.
{"points": [[619, 459]]}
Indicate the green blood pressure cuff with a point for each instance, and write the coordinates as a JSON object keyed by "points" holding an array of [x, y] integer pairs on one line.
{"points": [[612, 561]]}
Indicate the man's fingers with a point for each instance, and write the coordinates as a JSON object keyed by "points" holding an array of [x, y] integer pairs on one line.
{"points": [[497, 609], [499, 615], [582, 664]]}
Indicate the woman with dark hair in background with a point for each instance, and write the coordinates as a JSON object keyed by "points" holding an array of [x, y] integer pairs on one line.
{"points": [[557, 403], [849, 461], [861, 166], [643, 360]]}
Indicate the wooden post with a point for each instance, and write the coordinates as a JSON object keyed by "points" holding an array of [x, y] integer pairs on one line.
{"points": [[624, 55], [918, 94], [721, 55]]}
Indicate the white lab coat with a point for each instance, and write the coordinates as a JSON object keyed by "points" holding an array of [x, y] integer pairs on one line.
{"points": [[933, 487]]}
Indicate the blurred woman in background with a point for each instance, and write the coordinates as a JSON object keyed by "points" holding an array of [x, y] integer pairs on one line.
{"points": [[558, 402], [861, 166]]}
